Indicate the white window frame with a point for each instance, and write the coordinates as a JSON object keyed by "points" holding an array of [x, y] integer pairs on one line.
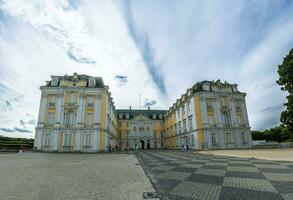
{"points": [[92, 82], [50, 118], [238, 103], [192, 139], [70, 118], [190, 126], [243, 138], [226, 118], [89, 116], [52, 99], [87, 139], [134, 129], [178, 112], [184, 125], [188, 106], [179, 127], [229, 137], [224, 101], [67, 139], [214, 138], [183, 110], [46, 138], [71, 98], [54, 81], [90, 99]]}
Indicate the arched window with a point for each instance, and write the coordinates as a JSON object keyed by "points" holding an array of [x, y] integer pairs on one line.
{"points": [[148, 129], [134, 129], [141, 129], [55, 81], [92, 82]]}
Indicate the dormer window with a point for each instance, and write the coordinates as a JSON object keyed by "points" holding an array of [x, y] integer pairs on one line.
{"points": [[206, 87], [92, 82], [54, 81]]}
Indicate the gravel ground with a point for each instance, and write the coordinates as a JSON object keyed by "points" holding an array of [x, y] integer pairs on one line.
{"points": [[268, 154], [44, 176]]}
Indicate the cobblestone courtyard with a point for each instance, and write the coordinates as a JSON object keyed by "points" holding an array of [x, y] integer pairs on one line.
{"points": [[175, 174], [188, 175], [58, 176]]}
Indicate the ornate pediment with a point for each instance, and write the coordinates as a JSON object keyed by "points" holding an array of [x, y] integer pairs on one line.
{"points": [[141, 118]]}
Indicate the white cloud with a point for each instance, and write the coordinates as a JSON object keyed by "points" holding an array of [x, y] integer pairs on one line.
{"points": [[31, 51], [241, 42]]}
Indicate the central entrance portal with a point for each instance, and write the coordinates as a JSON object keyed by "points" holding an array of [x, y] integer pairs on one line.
{"points": [[148, 145], [142, 144]]}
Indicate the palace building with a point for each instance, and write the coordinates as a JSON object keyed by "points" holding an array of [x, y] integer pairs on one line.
{"points": [[77, 114]]}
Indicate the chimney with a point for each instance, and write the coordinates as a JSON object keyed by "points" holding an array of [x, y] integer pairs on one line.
{"points": [[149, 107], [129, 107]]}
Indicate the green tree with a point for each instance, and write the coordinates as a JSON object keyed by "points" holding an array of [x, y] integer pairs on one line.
{"points": [[285, 71]]}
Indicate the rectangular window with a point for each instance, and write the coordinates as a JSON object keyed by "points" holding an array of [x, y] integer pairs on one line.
{"points": [[192, 139], [183, 111], [46, 139], [238, 105], [67, 139], [243, 138], [87, 139], [189, 123], [179, 127], [209, 102], [50, 119], [229, 138], [52, 100], [69, 118], [226, 118], [90, 101], [224, 102], [55, 81], [89, 120], [71, 98], [211, 119], [214, 138], [240, 119], [188, 107], [184, 125], [92, 82]]}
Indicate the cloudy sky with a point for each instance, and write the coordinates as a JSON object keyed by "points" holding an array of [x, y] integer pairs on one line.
{"points": [[154, 48]]}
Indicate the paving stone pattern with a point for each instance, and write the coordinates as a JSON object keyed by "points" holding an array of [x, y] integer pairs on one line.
{"points": [[189, 175]]}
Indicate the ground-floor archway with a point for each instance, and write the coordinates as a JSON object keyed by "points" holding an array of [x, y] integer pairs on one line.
{"points": [[148, 144], [142, 144]]}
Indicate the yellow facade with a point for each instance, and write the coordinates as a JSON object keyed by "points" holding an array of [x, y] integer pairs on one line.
{"points": [[124, 130], [201, 113], [170, 131], [198, 120], [103, 122]]}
